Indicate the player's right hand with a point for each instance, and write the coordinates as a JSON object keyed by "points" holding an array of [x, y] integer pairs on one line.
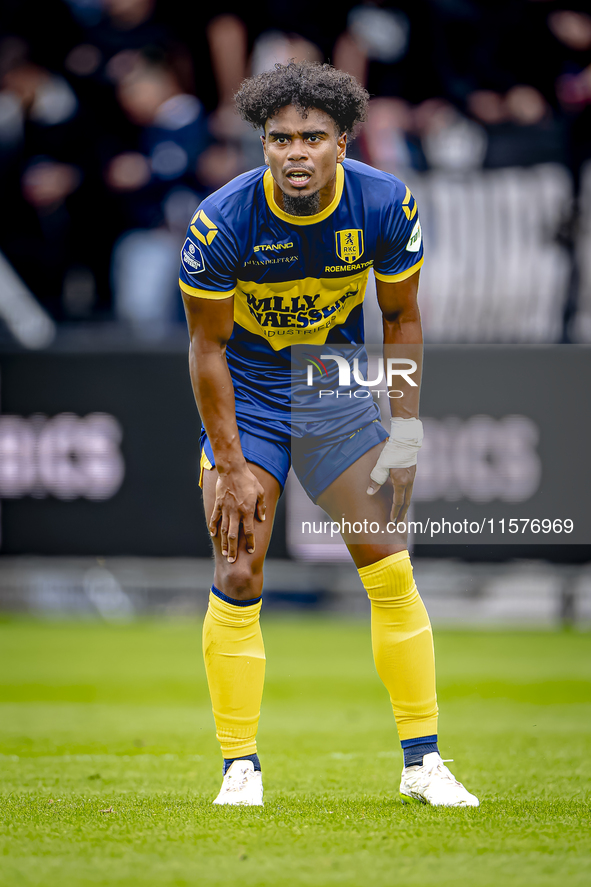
{"points": [[239, 498]]}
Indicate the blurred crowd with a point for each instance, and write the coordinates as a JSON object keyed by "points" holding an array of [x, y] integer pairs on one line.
{"points": [[116, 118]]}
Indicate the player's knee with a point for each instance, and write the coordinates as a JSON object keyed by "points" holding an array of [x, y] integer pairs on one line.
{"points": [[242, 580]]}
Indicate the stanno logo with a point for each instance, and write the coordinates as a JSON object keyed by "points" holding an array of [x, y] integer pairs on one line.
{"points": [[263, 247], [349, 244]]}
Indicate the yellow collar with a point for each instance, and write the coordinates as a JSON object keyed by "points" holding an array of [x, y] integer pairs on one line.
{"points": [[304, 220]]}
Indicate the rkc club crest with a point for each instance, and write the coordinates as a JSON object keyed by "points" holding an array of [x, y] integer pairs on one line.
{"points": [[349, 244]]}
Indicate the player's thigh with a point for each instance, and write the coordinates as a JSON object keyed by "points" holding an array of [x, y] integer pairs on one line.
{"points": [[262, 529], [347, 502]]}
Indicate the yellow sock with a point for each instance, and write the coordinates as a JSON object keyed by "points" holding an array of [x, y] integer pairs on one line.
{"points": [[235, 665], [402, 643]]}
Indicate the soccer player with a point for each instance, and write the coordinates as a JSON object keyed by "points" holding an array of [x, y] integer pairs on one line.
{"points": [[276, 260]]}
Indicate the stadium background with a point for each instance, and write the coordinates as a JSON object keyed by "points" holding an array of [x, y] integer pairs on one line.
{"points": [[113, 130], [115, 121]]}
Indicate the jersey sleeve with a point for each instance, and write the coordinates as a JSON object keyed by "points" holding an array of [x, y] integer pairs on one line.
{"points": [[209, 257], [400, 249]]}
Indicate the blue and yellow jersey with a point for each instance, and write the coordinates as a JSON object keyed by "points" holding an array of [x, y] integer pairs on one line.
{"points": [[296, 280]]}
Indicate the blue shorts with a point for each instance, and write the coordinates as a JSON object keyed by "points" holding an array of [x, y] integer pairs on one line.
{"points": [[318, 458]]}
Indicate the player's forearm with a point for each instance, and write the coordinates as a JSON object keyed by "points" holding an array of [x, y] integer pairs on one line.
{"points": [[403, 341], [214, 394]]}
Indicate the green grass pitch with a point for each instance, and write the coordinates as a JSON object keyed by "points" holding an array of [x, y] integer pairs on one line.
{"points": [[108, 761]]}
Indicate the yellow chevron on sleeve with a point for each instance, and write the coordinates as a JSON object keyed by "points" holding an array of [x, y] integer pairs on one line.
{"points": [[207, 238], [408, 212], [206, 220], [200, 237]]}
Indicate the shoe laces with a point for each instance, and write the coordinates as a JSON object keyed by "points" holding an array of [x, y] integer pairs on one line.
{"points": [[238, 779], [442, 771], [423, 775]]}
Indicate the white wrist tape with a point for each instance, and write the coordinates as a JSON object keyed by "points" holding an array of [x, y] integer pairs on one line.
{"points": [[400, 451]]}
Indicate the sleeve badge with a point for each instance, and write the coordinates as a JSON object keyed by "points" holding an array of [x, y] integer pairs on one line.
{"points": [[414, 241], [192, 257]]}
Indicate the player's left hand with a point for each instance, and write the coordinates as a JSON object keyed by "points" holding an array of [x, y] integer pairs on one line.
{"points": [[402, 483], [398, 461]]}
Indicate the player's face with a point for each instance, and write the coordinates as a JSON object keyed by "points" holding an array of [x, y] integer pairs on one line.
{"points": [[302, 153]]}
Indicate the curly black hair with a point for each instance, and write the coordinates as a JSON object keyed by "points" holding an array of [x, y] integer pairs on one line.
{"points": [[306, 85]]}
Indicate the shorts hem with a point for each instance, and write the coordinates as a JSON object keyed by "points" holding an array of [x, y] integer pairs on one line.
{"points": [[207, 464], [326, 482], [268, 466]]}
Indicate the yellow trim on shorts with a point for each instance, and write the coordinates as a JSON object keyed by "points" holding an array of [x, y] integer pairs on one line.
{"points": [[204, 294], [204, 465], [404, 275]]}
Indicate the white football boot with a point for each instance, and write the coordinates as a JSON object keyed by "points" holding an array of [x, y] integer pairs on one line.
{"points": [[432, 783], [242, 786]]}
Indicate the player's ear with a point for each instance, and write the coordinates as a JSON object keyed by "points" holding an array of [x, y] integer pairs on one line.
{"points": [[264, 144], [341, 147]]}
